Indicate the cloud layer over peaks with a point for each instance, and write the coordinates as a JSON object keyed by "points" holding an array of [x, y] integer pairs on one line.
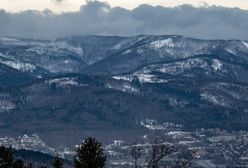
{"points": [[99, 18]]}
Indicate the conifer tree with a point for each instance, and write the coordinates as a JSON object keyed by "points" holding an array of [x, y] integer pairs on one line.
{"points": [[57, 162], [18, 164], [6, 157], [90, 155]]}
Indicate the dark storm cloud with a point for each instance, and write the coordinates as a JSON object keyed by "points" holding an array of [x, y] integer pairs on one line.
{"points": [[99, 18]]}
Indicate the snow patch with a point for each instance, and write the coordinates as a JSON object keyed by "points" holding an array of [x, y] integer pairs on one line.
{"points": [[66, 61], [123, 87], [245, 44], [6, 106], [143, 78], [19, 65], [64, 82], [117, 46], [125, 78], [177, 133], [188, 142], [162, 43], [210, 98], [55, 47], [231, 51], [148, 78], [116, 143], [221, 138], [8, 39], [176, 68], [152, 124], [140, 51], [122, 163], [217, 100], [65, 46], [217, 65], [127, 52], [32, 142]]}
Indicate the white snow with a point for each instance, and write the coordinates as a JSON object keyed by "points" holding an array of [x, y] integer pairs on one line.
{"points": [[122, 163], [63, 45], [217, 65], [126, 78], [162, 43], [148, 78], [6, 106], [55, 47], [113, 153], [210, 98], [176, 68], [145, 78], [17, 42], [142, 77], [187, 142], [77, 50], [8, 39], [117, 46], [140, 51], [231, 51], [152, 124], [221, 138], [177, 133], [64, 82], [245, 44], [19, 65], [32, 142], [127, 51], [123, 87], [118, 142], [114, 144], [218, 100], [65, 152], [66, 61]]}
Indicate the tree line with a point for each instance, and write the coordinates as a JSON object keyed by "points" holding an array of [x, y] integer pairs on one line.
{"points": [[90, 154]]}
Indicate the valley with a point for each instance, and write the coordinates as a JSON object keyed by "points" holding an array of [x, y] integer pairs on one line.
{"points": [[124, 88]]}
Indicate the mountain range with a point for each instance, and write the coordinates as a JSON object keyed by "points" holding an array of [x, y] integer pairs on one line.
{"points": [[106, 86]]}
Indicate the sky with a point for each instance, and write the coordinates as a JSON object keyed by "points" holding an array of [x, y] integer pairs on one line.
{"points": [[51, 19], [59, 6]]}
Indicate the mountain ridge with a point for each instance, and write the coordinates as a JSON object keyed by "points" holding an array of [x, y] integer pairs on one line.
{"points": [[97, 83]]}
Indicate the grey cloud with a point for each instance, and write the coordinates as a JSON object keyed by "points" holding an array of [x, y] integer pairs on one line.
{"points": [[57, 1], [100, 19]]}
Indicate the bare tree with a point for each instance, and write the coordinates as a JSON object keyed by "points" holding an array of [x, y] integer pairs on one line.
{"points": [[157, 151], [136, 152], [234, 150], [185, 158]]}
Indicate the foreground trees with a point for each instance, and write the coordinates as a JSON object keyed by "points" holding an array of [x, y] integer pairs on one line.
{"points": [[160, 153], [6, 157], [90, 155], [7, 160], [57, 162]]}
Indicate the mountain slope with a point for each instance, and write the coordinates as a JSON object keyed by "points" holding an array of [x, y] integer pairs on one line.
{"points": [[110, 55], [103, 85], [12, 77]]}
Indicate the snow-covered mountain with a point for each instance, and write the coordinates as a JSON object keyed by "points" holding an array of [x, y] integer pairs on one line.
{"points": [[97, 83], [108, 55]]}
